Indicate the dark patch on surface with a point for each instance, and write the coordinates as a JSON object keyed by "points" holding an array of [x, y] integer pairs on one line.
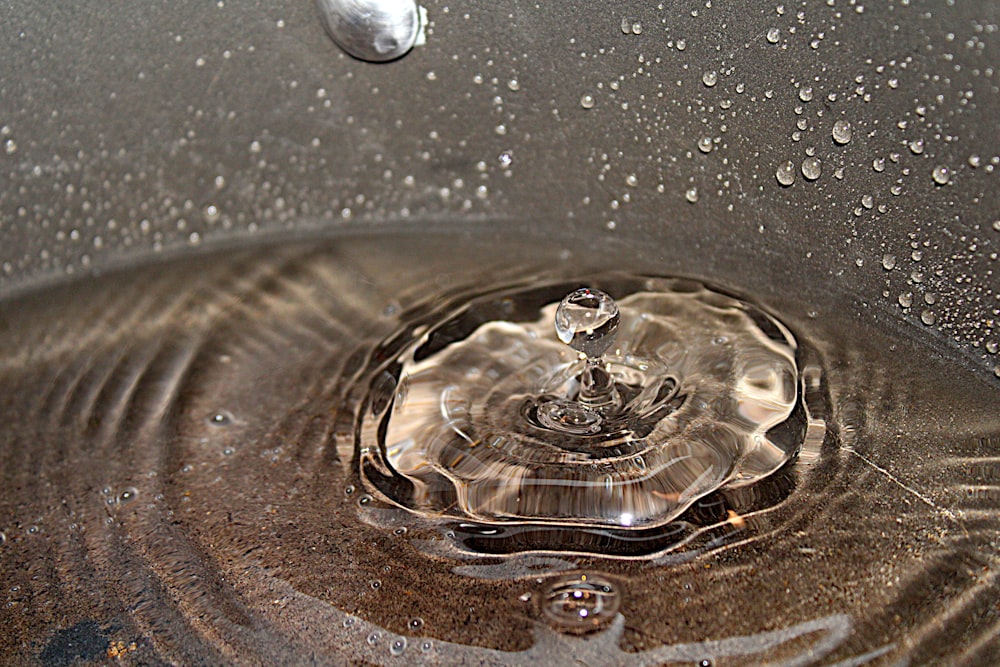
{"points": [[81, 642]]}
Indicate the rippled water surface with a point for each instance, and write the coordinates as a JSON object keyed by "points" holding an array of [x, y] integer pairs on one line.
{"points": [[181, 483]]}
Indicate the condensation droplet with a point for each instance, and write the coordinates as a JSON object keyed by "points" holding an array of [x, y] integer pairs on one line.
{"points": [[888, 262], [372, 30], [705, 144], [842, 132], [812, 168], [806, 94], [587, 101], [773, 35], [710, 78], [786, 173], [691, 195], [941, 174]]}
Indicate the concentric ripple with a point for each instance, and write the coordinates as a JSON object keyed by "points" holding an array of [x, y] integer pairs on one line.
{"points": [[179, 484], [708, 389]]}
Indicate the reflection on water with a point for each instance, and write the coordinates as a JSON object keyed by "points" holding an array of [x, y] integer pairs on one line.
{"points": [[180, 484]]}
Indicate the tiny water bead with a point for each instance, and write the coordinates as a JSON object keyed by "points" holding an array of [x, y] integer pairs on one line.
{"points": [[842, 132], [532, 405]]}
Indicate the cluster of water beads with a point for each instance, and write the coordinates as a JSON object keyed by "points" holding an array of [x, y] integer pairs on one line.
{"points": [[622, 415]]}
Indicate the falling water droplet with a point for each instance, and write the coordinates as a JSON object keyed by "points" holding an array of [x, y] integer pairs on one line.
{"points": [[587, 320], [372, 30]]}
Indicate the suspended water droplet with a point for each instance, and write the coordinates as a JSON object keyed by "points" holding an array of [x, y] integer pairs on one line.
{"points": [[372, 30], [786, 173], [587, 320], [842, 132]]}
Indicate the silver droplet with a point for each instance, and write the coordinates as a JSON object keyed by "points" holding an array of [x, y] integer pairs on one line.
{"points": [[587, 320], [372, 30]]}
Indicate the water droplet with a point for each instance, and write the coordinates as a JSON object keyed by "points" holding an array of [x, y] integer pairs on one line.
{"points": [[773, 35], [928, 317], [506, 159], [916, 146], [374, 638], [127, 495], [580, 603], [867, 201], [888, 262], [705, 144], [631, 180], [974, 161], [941, 174], [587, 101], [710, 78], [372, 30], [805, 94], [587, 320], [220, 418], [513, 85], [10, 146], [842, 132], [786, 173], [416, 624], [905, 299], [398, 646], [691, 195], [812, 168], [878, 164]]}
